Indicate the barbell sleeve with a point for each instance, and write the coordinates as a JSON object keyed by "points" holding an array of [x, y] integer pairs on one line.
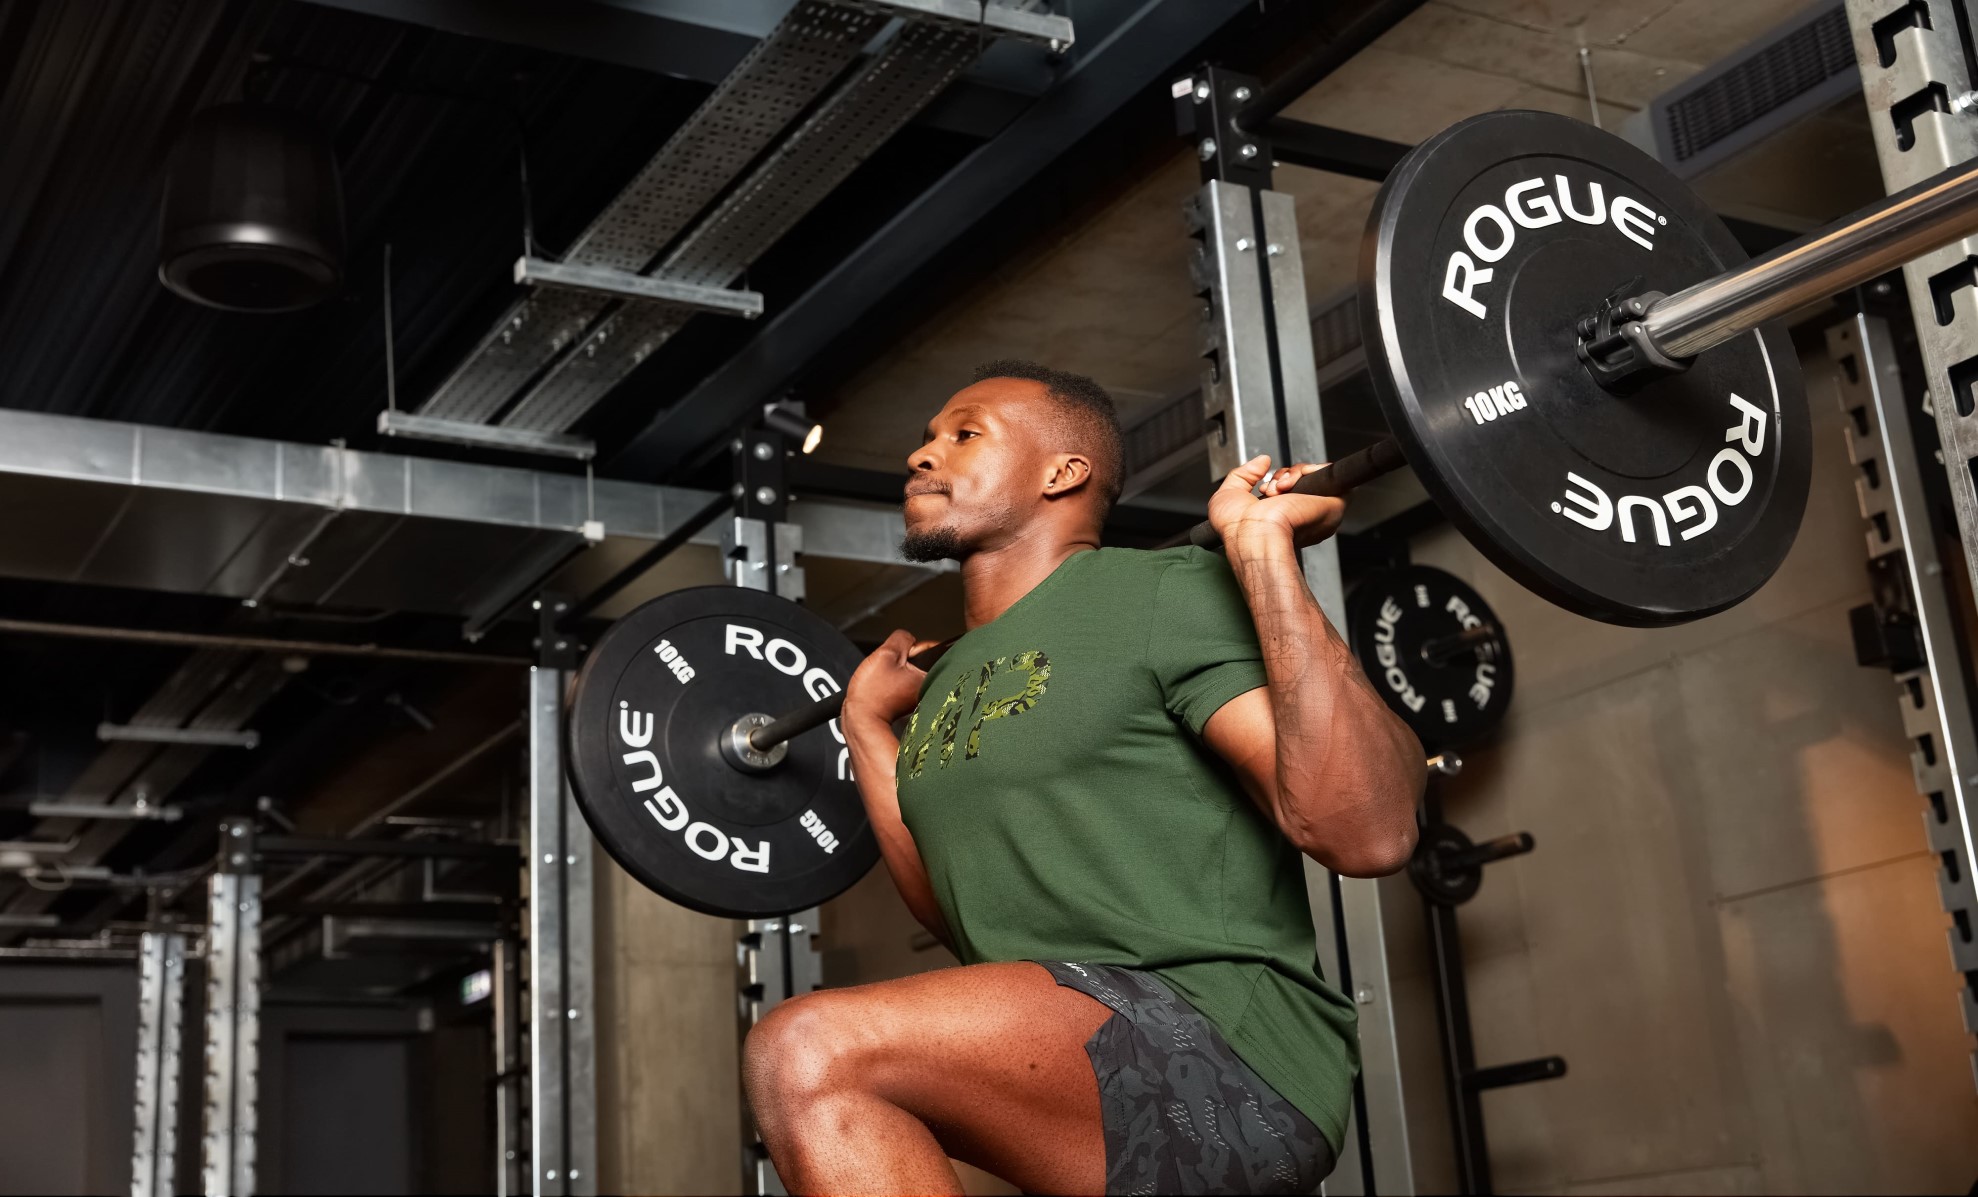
{"points": [[1847, 253], [792, 724]]}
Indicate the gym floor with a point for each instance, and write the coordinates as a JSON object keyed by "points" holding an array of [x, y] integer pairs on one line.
{"points": [[1730, 927]]}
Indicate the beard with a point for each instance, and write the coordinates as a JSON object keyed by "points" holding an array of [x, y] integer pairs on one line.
{"points": [[933, 544]]}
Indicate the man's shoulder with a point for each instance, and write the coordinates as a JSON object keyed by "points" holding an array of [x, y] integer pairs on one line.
{"points": [[1183, 569], [1153, 562]]}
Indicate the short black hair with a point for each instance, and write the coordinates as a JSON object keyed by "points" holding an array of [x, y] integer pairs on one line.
{"points": [[1091, 423]]}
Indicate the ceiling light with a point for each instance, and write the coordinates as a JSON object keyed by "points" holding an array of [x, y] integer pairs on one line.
{"points": [[253, 212], [790, 420]]}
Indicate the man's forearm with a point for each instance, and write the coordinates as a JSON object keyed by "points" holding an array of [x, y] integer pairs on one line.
{"points": [[875, 753], [1348, 771]]}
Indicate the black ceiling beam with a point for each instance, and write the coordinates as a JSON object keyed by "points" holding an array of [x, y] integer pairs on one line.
{"points": [[1136, 59], [701, 40], [684, 38], [1278, 94]]}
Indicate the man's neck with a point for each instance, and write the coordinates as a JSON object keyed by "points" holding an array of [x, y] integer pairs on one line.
{"points": [[994, 579]]}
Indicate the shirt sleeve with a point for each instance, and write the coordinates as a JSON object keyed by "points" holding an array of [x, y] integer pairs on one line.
{"points": [[1201, 642]]}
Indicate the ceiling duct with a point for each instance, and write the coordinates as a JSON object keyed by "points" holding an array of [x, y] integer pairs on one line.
{"points": [[103, 503], [253, 212]]}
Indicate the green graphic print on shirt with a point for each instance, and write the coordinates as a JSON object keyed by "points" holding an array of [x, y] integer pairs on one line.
{"points": [[1036, 668], [1057, 787]]}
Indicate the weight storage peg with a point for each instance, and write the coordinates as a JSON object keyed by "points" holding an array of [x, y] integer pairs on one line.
{"points": [[1448, 869]]}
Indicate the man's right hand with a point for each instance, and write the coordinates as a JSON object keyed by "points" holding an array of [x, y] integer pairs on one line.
{"points": [[886, 684]]}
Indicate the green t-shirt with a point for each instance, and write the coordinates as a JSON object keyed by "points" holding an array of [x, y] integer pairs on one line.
{"points": [[1055, 782]]}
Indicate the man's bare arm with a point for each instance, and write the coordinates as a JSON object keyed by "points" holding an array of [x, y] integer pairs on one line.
{"points": [[880, 692], [1334, 768]]}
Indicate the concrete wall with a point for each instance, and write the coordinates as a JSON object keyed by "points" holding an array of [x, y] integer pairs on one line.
{"points": [[669, 1064], [1730, 926]]}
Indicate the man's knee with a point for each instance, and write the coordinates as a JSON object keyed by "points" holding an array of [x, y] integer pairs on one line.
{"points": [[803, 1049]]}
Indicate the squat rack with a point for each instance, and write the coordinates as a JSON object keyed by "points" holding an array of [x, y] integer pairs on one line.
{"points": [[1260, 394]]}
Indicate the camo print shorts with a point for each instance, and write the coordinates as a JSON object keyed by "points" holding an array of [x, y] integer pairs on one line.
{"points": [[1182, 1113]]}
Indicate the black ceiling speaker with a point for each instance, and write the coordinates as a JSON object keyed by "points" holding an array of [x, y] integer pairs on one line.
{"points": [[253, 215]]}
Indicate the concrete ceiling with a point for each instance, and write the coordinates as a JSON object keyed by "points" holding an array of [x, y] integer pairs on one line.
{"points": [[1112, 299]]}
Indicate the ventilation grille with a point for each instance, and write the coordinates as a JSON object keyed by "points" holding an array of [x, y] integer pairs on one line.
{"points": [[1336, 329], [1767, 76], [1172, 428]]}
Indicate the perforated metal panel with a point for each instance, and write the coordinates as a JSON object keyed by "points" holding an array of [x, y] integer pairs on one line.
{"points": [[527, 338], [805, 53], [813, 44], [847, 127]]}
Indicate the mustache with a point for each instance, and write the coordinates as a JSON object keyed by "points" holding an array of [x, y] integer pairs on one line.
{"points": [[930, 487]]}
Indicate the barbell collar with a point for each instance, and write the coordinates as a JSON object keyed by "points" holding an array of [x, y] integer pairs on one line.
{"points": [[739, 752], [1847, 253]]}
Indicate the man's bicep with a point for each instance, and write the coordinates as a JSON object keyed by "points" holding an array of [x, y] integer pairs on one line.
{"points": [[1243, 732]]}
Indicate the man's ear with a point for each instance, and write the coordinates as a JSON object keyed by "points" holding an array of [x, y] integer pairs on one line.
{"points": [[1069, 472]]}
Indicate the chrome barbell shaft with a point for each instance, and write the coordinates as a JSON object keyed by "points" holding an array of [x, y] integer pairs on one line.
{"points": [[1847, 253]]}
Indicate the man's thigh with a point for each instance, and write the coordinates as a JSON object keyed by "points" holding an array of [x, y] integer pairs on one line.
{"points": [[991, 1057]]}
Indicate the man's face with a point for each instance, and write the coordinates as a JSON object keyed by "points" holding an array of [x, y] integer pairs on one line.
{"points": [[973, 482]]}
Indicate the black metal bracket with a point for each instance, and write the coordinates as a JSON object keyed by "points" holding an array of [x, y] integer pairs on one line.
{"points": [[238, 849], [1236, 143], [1206, 105], [761, 458], [1886, 630], [555, 648]]}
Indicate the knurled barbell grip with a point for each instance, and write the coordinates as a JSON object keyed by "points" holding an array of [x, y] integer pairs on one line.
{"points": [[1381, 457], [795, 723]]}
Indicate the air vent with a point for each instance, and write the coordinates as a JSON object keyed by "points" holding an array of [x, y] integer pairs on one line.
{"points": [[1336, 328], [1789, 73]]}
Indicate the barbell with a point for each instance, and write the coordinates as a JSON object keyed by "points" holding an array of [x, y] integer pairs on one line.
{"points": [[1572, 353], [1575, 357]]}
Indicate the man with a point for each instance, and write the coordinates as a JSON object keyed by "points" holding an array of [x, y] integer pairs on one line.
{"points": [[1098, 803]]}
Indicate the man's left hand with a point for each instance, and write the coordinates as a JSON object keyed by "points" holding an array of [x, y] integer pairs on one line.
{"points": [[1236, 512]]}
